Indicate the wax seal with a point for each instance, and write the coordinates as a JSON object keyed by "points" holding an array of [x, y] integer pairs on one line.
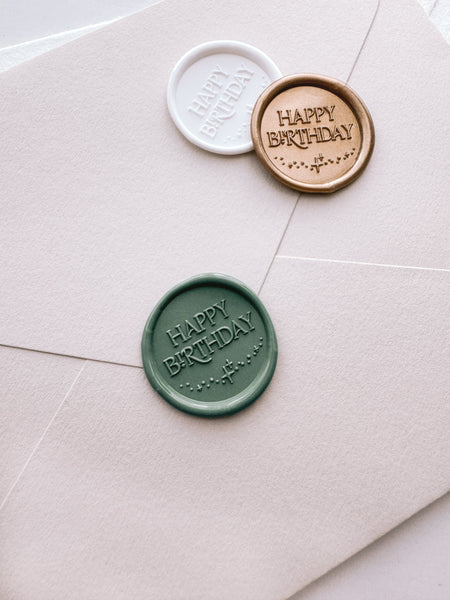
{"points": [[209, 347], [313, 133], [212, 91]]}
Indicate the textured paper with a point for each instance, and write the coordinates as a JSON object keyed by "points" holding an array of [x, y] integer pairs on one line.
{"points": [[397, 212], [120, 498], [32, 387], [409, 562], [127, 496], [107, 205]]}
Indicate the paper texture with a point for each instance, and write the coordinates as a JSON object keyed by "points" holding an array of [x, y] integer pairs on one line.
{"points": [[32, 387], [411, 561], [106, 206], [397, 212], [350, 438]]}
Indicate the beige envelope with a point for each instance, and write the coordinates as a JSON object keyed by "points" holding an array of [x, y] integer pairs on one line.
{"points": [[108, 491]]}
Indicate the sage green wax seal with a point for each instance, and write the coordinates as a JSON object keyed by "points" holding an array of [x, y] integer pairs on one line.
{"points": [[209, 346]]}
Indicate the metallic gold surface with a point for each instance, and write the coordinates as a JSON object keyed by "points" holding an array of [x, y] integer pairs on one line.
{"points": [[312, 133]]}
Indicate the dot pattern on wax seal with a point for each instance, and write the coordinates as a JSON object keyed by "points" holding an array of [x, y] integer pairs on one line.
{"points": [[212, 91], [229, 368], [312, 133], [319, 162], [209, 347]]}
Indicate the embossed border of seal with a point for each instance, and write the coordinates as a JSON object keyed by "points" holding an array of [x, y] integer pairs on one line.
{"points": [[221, 407], [241, 50], [337, 87]]}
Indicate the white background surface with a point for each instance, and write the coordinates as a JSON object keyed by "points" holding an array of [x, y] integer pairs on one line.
{"points": [[29, 29], [412, 561]]}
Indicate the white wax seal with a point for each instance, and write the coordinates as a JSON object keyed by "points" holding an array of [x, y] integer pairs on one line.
{"points": [[212, 91]]}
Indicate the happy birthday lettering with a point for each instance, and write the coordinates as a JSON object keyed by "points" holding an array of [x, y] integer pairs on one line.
{"points": [[216, 101], [201, 348], [302, 137]]}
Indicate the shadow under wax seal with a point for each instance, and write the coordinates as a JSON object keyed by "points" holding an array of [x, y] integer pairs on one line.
{"points": [[209, 347], [212, 91], [312, 133]]}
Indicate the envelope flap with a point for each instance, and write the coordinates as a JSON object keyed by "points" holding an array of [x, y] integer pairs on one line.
{"points": [[350, 438], [107, 204]]}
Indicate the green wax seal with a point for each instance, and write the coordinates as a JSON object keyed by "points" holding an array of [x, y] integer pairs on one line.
{"points": [[209, 346]]}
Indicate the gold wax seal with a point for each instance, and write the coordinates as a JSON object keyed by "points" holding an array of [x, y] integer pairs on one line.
{"points": [[313, 133]]}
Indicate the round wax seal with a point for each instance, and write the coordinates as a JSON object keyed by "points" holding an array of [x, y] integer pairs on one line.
{"points": [[209, 346], [312, 133], [212, 91]]}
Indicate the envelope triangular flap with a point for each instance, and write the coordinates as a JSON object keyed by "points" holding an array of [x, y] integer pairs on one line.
{"points": [[106, 204]]}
